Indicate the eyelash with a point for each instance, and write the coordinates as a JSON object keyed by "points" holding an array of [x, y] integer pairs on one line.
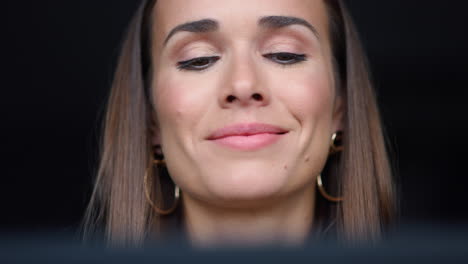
{"points": [[293, 58], [190, 64], [208, 61]]}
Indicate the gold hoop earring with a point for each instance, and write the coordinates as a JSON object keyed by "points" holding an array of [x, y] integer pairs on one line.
{"points": [[148, 196], [336, 144], [324, 193]]}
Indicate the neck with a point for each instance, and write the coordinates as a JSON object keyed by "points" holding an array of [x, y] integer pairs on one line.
{"points": [[287, 220]]}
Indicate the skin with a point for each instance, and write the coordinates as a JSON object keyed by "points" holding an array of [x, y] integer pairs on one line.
{"points": [[234, 196]]}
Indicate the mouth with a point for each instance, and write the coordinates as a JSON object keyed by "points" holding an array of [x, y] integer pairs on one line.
{"points": [[247, 136]]}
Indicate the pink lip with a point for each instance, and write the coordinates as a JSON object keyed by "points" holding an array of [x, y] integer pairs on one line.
{"points": [[248, 136]]}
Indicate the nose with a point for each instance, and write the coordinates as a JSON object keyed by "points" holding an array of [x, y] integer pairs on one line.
{"points": [[242, 85]]}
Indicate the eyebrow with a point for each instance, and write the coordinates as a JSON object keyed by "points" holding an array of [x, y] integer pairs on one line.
{"points": [[210, 25], [199, 26], [284, 21]]}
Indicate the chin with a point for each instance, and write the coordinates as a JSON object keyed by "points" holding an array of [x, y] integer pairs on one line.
{"points": [[243, 183]]}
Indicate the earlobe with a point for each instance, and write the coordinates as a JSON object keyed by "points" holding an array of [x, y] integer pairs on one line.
{"points": [[338, 114], [156, 141], [155, 133], [155, 138]]}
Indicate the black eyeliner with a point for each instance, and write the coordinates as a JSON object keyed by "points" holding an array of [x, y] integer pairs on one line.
{"points": [[186, 65], [296, 58]]}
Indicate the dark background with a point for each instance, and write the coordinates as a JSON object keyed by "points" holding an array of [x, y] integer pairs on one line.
{"points": [[58, 58]]}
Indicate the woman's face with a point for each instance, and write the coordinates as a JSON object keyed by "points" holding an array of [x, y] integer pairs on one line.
{"points": [[244, 96]]}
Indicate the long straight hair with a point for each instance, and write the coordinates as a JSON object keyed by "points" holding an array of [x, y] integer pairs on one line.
{"points": [[361, 173]]}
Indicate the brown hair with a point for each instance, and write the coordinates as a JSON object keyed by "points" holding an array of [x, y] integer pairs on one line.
{"points": [[360, 173]]}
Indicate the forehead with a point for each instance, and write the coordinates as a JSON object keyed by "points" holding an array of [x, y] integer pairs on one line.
{"points": [[235, 15]]}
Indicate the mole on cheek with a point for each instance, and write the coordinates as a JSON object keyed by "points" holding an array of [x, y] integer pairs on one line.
{"points": [[307, 159], [285, 167], [179, 113]]}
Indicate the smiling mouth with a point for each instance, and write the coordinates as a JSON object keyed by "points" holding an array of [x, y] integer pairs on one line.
{"points": [[249, 142], [251, 136]]}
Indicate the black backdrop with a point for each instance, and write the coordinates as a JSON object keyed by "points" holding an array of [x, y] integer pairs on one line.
{"points": [[58, 59]]}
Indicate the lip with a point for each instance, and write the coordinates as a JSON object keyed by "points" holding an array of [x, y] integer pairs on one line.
{"points": [[247, 136]]}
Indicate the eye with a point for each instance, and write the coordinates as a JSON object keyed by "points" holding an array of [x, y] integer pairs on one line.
{"points": [[285, 58], [197, 64]]}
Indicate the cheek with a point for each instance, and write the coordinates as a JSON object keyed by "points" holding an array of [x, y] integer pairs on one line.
{"points": [[178, 105], [308, 95]]}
